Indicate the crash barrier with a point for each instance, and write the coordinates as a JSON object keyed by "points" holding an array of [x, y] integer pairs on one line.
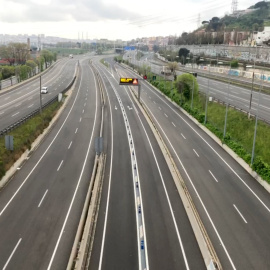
{"points": [[35, 112]]}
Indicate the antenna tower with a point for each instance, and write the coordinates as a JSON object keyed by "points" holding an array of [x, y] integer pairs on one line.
{"points": [[234, 6]]}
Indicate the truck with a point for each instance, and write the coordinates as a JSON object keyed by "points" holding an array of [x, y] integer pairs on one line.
{"points": [[166, 71]]}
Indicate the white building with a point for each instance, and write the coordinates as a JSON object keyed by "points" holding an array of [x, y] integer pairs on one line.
{"points": [[263, 36]]}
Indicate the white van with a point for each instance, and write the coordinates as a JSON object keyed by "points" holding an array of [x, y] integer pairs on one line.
{"points": [[44, 90]]}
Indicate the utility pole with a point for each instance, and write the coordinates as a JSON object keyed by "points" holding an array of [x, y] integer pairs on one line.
{"points": [[40, 98]]}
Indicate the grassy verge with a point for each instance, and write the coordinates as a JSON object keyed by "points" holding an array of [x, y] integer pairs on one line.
{"points": [[24, 136], [239, 129]]}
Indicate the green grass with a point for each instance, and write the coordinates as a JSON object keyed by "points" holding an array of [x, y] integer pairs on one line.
{"points": [[23, 137]]}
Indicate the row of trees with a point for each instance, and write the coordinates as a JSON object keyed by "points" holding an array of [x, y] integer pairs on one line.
{"points": [[20, 63]]}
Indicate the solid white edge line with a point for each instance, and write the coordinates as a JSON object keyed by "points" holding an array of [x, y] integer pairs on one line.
{"points": [[109, 190], [239, 213], [166, 193], [213, 176], [42, 198], [247, 186], [195, 190], [77, 186], [5, 266]]}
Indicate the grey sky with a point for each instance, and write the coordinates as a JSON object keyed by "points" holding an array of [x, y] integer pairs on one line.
{"points": [[109, 19]]}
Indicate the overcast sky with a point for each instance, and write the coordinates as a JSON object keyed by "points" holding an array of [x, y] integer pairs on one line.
{"points": [[117, 19]]}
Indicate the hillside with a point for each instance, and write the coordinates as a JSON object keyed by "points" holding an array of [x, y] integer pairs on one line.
{"points": [[255, 18]]}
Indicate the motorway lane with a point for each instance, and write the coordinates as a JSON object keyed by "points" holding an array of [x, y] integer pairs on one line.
{"points": [[115, 244], [19, 102], [228, 201], [237, 96], [47, 221], [164, 248]]}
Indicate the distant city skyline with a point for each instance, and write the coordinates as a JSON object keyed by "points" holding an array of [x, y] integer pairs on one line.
{"points": [[97, 19]]}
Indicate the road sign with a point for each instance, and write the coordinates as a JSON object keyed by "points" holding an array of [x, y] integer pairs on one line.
{"points": [[129, 81]]}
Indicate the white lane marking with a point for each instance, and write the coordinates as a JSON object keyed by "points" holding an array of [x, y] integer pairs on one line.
{"points": [[84, 104], [183, 136], [115, 108], [173, 124], [15, 114], [70, 145], [5, 266], [42, 198], [240, 213], [83, 111], [77, 187], [154, 101], [1, 113], [149, 97], [6, 98], [213, 176], [247, 186], [80, 119], [194, 188], [159, 108], [76, 130], [165, 114], [30, 106], [60, 165], [196, 153], [166, 192]]}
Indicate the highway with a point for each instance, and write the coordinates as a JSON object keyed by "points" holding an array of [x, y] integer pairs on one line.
{"points": [[139, 198], [40, 208], [234, 207], [142, 223], [223, 91], [21, 100]]}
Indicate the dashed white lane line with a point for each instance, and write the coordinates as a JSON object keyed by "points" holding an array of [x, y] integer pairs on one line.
{"points": [[15, 114], [183, 136], [240, 213], [42, 198], [60, 165], [80, 119], [165, 114], [76, 130], [5, 266], [173, 124], [30, 106], [159, 108], [213, 176], [154, 101], [83, 111], [70, 145], [196, 153]]}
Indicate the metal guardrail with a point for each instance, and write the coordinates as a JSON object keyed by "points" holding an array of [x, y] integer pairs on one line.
{"points": [[33, 113]]}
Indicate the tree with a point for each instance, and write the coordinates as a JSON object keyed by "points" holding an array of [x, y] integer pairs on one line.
{"points": [[48, 57], [32, 65], [184, 86], [234, 63], [173, 66], [183, 52]]}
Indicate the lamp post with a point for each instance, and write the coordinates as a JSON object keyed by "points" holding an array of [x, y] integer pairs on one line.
{"points": [[206, 100]]}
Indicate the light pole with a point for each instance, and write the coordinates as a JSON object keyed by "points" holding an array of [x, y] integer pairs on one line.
{"points": [[256, 122], [206, 100], [227, 107]]}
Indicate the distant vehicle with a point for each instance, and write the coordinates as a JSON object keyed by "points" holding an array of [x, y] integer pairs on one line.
{"points": [[71, 56], [166, 71], [44, 90]]}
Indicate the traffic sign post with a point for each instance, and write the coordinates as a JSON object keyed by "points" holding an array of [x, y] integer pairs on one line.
{"points": [[132, 81]]}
